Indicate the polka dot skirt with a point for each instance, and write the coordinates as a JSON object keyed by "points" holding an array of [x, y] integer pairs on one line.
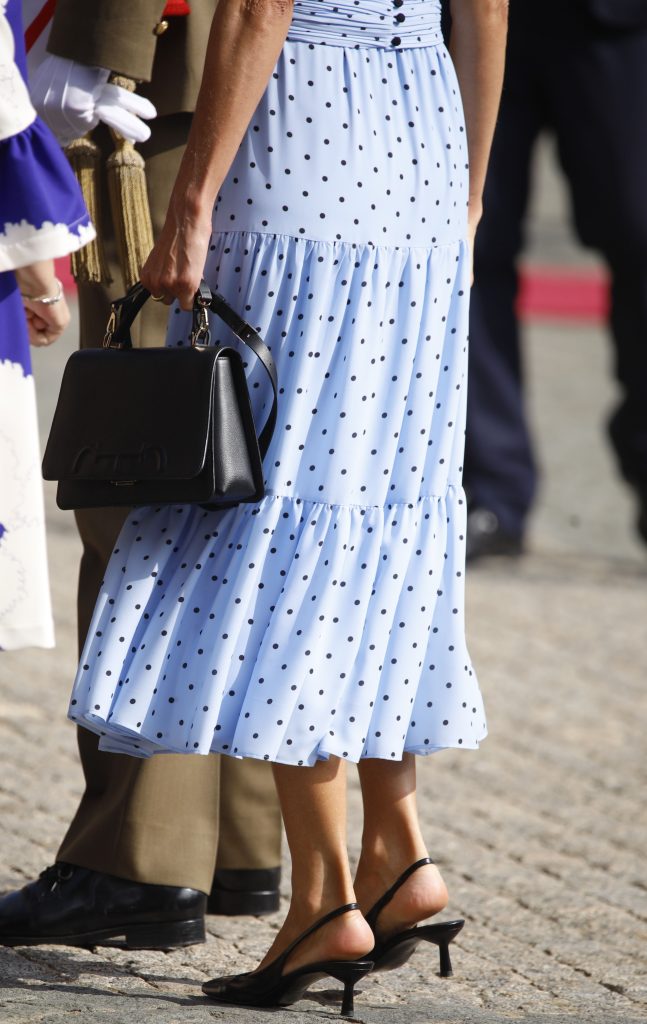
{"points": [[328, 618]]}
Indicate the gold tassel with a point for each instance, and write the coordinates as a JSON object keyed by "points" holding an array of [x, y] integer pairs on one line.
{"points": [[129, 202], [89, 264]]}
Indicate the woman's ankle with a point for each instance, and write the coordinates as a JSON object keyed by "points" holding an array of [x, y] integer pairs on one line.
{"points": [[383, 860], [422, 895], [312, 898]]}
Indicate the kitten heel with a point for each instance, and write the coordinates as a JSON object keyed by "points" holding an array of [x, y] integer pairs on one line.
{"points": [[349, 973], [445, 959], [440, 935]]}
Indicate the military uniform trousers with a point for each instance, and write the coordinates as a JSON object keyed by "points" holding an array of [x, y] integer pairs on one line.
{"points": [[171, 819]]}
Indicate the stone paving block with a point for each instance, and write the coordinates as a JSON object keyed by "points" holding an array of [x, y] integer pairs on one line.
{"points": [[540, 835]]}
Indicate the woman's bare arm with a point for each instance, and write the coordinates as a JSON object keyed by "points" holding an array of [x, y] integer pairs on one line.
{"points": [[245, 41], [477, 47]]}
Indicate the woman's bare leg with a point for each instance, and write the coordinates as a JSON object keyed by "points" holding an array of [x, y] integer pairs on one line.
{"points": [[391, 841], [313, 804]]}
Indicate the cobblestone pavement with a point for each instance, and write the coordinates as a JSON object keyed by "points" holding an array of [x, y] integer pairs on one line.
{"points": [[541, 835]]}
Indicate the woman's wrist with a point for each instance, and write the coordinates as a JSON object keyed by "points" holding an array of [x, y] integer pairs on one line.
{"points": [[38, 279], [195, 191], [48, 298]]}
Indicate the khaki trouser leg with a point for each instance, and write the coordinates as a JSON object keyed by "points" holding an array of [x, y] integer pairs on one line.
{"points": [[250, 817], [156, 820]]}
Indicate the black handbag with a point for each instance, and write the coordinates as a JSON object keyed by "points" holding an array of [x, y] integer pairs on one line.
{"points": [[160, 425]]}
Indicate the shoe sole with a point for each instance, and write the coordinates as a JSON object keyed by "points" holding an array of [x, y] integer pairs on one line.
{"points": [[161, 935]]}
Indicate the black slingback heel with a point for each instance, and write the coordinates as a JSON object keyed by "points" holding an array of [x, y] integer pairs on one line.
{"points": [[392, 952], [270, 987]]}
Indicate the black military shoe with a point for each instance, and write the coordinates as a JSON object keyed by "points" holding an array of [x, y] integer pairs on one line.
{"points": [[485, 537], [73, 906], [245, 892]]}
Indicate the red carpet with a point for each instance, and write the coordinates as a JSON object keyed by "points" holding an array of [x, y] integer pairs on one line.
{"points": [[546, 293], [563, 293]]}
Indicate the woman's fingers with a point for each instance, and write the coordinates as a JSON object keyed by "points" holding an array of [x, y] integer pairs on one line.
{"points": [[166, 287], [46, 323], [186, 289], [175, 265], [41, 337], [168, 279]]}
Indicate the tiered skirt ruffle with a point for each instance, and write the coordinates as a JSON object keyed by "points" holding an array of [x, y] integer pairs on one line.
{"points": [[327, 619]]}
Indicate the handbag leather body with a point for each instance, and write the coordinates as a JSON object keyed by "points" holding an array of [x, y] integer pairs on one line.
{"points": [[160, 425]]}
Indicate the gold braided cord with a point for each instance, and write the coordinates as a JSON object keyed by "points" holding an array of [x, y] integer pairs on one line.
{"points": [[89, 264], [129, 202]]}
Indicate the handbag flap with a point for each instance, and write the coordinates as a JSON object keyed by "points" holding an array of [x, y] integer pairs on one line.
{"points": [[132, 414]]}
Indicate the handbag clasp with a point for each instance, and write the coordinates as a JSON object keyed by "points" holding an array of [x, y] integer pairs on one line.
{"points": [[201, 334], [110, 328]]}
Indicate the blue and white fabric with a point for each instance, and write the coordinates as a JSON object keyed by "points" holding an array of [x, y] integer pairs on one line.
{"points": [[42, 215], [328, 618]]}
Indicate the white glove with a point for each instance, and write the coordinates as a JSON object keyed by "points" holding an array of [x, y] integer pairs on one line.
{"points": [[72, 98]]}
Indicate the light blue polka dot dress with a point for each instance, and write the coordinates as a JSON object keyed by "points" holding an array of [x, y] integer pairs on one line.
{"points": [[328, 618]]}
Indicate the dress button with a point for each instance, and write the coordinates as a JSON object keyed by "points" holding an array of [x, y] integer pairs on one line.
{"points": [[398, 3], [396, 41], [400, 17], [160, 27]]}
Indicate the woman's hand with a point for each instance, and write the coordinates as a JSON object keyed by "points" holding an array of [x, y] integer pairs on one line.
{"points": [[175, 265], [46, 321], [244, 44]]}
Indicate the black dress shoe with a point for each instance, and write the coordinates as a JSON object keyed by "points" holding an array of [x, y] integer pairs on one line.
{"points": [[245, 892], [73, 906], [485, 537], [272, 987]]}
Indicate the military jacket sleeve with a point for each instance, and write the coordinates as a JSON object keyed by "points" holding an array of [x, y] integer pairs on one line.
{"points": [[115, 34], [179, 60]]}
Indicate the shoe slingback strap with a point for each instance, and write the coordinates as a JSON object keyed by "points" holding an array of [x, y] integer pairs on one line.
{"points": [[313, 928], [377, 908]]}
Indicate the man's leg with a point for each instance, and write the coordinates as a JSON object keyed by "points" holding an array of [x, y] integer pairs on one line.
{"points": [[134, 820], [248, 861], [499, 471], [158, 835], [605, 159]]}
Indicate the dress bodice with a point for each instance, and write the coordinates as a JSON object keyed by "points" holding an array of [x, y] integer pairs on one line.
{"points": [[393, 24]]}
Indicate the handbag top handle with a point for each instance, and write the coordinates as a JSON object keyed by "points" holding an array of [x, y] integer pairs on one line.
{"points": [[125, 310]]}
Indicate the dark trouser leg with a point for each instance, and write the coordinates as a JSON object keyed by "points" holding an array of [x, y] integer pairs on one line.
{"points": [[156, 821], [605, 160], [628, 425], [249, 847], [499, 466]]}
